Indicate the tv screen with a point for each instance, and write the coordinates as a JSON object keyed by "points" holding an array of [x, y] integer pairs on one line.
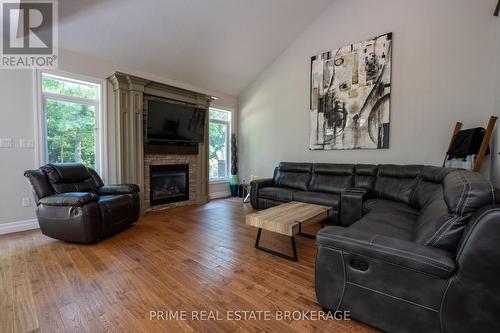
{"points": [[171, 121]]}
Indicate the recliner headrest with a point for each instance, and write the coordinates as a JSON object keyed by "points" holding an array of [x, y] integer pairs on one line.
{"points": [[333, 169], [366, 169], [295, 167], [66, 172], [467, 191], [435, 174], [399, 171]]}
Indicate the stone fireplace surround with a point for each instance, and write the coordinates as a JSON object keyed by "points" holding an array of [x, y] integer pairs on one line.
{"points": [[130, 94]]}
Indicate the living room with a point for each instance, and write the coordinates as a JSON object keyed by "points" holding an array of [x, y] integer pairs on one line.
{"points": [[237, 165]]}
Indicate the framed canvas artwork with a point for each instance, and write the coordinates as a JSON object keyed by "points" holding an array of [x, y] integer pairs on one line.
{"points": [[350, 96]]}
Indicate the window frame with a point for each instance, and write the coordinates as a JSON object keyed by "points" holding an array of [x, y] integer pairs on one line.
{"points": [[101, 164], [228, 143]]}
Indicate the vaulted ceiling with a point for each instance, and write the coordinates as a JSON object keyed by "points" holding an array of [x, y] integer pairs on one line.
{"points": [[220, 45]]}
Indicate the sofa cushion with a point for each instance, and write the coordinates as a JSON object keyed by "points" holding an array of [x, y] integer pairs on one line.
{"points": [[318, 198], [437, 227], [378, 226], [293, 175], [276, 193], [429, 186], [364, 176], [394, 221], [381, 205], [66, 172], [331, 178], [69, 177], [397, 182]]}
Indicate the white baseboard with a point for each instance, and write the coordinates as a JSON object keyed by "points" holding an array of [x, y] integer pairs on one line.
{"points": [[7, 228], [220, 194]]}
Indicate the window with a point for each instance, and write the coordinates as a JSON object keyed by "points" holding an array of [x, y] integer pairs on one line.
{"points": [[219, 132], [69, 120]]}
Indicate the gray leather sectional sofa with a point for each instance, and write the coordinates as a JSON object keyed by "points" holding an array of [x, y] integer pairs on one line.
{"points": [[415, 248]]}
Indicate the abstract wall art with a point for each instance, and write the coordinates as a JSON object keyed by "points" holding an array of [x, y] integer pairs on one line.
{"points": [[350, 96]]}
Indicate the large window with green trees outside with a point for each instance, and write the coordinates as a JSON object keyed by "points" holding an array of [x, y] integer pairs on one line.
{"points": [[219, 150], [70, 110]]}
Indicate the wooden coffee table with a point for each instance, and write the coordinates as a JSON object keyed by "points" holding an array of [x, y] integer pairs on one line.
{"points": [[287, 219]]}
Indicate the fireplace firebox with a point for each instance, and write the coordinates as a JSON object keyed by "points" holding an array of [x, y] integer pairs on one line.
{"points": [[168, 183]]}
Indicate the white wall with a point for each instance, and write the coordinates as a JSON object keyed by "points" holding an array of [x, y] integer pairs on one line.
{"points": [[443, 72], [495, 166], [17, 121]]}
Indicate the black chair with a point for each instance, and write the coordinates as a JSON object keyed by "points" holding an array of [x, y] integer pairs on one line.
{"points": [[74, 205]]}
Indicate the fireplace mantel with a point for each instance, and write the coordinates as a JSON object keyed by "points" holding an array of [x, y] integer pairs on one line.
{"points": [[128, 97]]}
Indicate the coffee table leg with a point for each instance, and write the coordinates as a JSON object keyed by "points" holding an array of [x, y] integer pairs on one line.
{"points": [[279, 254], [303, 234]]}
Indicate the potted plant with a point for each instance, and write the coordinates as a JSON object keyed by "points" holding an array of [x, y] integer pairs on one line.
{"points": [[234, 180]]}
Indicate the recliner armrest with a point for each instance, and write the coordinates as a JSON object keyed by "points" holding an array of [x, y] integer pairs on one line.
{"points": [[351, 205], [75, 199], [359, 190], [409, 255], [118, 189], [255, 185]]}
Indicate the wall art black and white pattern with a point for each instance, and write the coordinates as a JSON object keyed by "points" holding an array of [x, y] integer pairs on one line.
{"points": [[350, 96]]}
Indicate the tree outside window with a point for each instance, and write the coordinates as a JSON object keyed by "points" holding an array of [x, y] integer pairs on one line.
{"points": [[219, 132], [70, 110]]}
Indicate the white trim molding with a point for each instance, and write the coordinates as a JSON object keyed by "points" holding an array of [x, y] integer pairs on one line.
{"points": [[8, 228]]}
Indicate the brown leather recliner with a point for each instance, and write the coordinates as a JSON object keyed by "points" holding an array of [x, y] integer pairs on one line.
{"points": [[74, 205]]}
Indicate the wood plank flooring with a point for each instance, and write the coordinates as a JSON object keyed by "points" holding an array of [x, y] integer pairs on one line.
{"points": [[185, 259]]}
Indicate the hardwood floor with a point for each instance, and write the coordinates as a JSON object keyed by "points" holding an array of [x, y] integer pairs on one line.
{"points": [[186, 259]]}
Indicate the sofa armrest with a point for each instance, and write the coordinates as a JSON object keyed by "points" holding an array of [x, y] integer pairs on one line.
{"points": [[75, 199], [118, 189], [255, 185], [409, 255], [351, 205]]}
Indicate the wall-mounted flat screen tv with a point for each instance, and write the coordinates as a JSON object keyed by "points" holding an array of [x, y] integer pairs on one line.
{"points": [[171, 121]]}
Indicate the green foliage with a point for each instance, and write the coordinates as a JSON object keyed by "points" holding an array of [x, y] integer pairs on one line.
{"points": [[219, 115], [217, 134], [71, 135], [70, 132], [53, 85]]}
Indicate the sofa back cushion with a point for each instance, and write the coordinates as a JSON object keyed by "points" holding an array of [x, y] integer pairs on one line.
{"points": [[396, 182], [431, 180], [69, 177], [364, 176], [293, 175], [331, 178], [448, 208]]}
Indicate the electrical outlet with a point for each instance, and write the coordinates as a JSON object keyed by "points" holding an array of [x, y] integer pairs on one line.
{"points": [[26, 143], [5, 142], [26, 202]]}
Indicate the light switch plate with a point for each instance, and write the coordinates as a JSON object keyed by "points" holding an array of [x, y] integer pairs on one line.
{"points": [[26, 202], [5, 142], [26, 143]]}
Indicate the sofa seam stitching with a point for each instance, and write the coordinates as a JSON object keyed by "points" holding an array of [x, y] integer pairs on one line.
{"points": [[430, 262], [441, 305], [392, 296], [345, 281]]}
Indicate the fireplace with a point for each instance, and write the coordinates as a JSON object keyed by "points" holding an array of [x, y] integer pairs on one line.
{"points": [[168, 183]]}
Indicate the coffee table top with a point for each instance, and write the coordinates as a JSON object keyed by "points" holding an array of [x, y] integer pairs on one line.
{"points": [[285, 219]]}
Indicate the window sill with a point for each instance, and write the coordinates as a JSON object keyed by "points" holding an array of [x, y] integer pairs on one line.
{"points": [[219, 181]]}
